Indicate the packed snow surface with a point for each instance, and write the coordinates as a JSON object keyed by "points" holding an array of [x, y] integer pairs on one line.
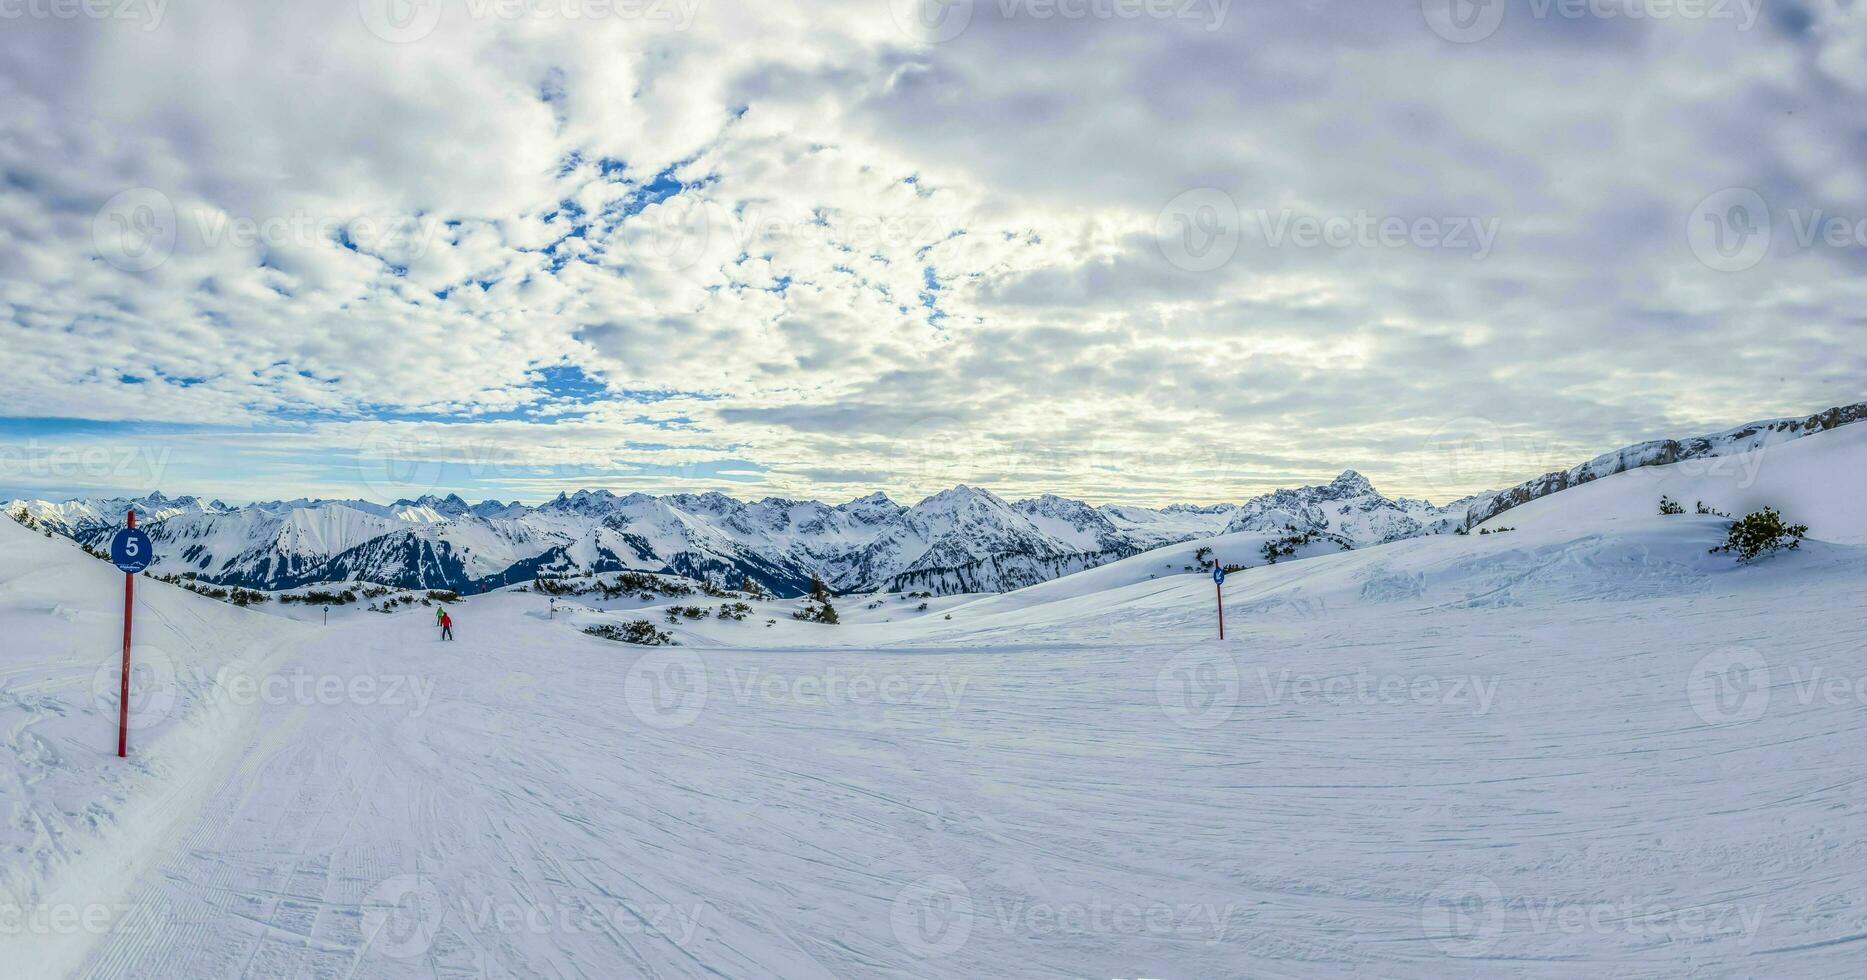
{"points": [[1579, 747]]}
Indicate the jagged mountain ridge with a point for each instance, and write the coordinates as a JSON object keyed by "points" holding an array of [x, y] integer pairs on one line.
{"points": [[1348, 509], [963, 539]]}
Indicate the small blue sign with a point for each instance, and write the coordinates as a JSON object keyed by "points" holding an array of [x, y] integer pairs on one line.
{"points": [[131, 550], [1218, 575]]}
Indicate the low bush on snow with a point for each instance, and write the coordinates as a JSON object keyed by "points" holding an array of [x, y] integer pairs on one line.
{"points": [[640, 631], [1759, 534]]}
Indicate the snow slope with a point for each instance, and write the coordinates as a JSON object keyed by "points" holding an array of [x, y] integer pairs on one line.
{"points": [[1365, 782], [80, 824], [1723, 450], [1575, 748], [1818, 480]]}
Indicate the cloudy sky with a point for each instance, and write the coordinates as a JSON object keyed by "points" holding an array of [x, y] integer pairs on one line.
{"points": [[1126, 250]]}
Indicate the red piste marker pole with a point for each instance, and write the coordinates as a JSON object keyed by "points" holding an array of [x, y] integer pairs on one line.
{"points": [[1218, 591], [123, 700]]}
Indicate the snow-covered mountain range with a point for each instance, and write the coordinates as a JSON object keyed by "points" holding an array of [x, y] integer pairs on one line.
{"points": [[961, 540]]}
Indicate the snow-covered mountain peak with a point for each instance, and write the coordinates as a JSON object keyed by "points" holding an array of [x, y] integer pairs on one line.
{"points": [[450, 506], [1348, 509], [584, 502], [491, 509], [1349, 484], [872, 509], [961, 497], [711, 503]]}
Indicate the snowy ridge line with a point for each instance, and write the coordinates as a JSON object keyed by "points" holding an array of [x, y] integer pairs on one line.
{"points": [[1743, 439], [965, 539], [962, 540]]}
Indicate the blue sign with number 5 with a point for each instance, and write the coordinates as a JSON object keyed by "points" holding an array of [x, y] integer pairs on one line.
{"points": [[131, 550]]}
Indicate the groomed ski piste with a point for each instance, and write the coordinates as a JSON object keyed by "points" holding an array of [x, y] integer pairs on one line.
{"points": [[1584, 746]]}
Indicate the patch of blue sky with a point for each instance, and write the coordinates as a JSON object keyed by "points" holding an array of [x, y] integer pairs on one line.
{"points": [[41, 426], [565, 392]]}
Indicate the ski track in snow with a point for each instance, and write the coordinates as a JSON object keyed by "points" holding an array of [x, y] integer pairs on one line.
{"points": [[1307, 835]]}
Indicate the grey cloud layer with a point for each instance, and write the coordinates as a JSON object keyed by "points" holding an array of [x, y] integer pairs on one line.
{"points": [[902, 263]]}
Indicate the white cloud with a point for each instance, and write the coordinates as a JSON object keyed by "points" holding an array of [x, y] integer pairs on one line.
{"points": [[361, 225]]}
